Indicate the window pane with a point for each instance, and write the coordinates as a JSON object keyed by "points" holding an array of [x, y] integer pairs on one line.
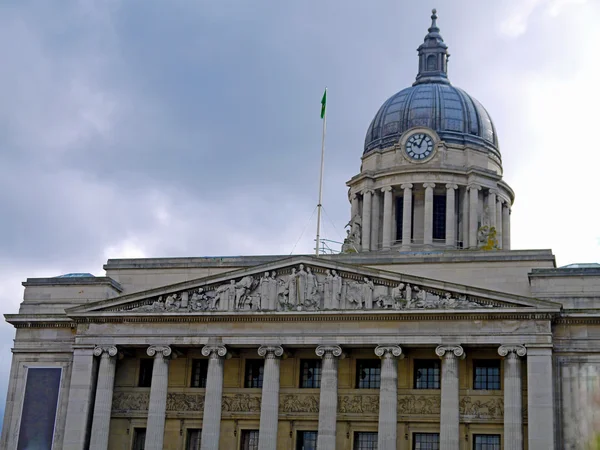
{"points": [[486, 374], [486, 441], [307, 440], [427, 374], [426, 441], [199, 373], [310, 375], [249, 440], [368, 373], [146, 366], [439, 217], [139, 438], [254, 373], [365, 441], [194, 437]]}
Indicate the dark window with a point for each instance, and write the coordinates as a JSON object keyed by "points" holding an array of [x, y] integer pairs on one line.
{"points": [[486, 442], [399, 213], [254, 373], [439, 217], [194, 437], [139, 438], [310, 376], [426, 441], [249, 440], [199, 372], [146, 366], [307, 440], [486, 374], [427, 374], [431, 62], [365, 441], [368, 373]]}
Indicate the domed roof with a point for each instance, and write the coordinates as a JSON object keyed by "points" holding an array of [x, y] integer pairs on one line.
{"points": [[434, 103]]}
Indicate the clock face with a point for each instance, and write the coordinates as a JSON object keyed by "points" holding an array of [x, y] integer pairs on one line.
{"points": [[419, 146]]}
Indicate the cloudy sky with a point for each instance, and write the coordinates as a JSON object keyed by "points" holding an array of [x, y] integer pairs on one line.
{"points": [[191, 128]]}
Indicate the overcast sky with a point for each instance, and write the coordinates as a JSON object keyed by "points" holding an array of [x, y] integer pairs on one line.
{"points": [[191, 128]]}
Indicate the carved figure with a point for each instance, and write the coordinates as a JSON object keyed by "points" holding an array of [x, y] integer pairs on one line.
{"points": [[367, 290], [199, 300], [170, 301], [292, 288], [355, 230], [242, 289], [327, 290], [336, 290], [398, 296], [302, 283], [312, 287], [224, 297]]}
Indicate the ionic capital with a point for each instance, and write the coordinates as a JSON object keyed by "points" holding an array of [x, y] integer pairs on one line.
{"points": [[451, 186], [518, 350], [326, 350], [455, 350], [386, 189], [389, 351], [492, 191], [270, 351], [428, 185], [367, 192], [109, 350], [159, 350], [473, 187], [406, 186], [214, 351]]}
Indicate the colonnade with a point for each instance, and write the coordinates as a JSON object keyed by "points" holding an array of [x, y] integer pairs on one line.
{"points": [[539, 380], [368, 204]]}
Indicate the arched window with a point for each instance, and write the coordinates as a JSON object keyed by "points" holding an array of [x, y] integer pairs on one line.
{"points": [[431, 62]]}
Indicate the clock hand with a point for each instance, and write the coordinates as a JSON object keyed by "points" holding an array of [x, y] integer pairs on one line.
{"points": [[422, 139]]}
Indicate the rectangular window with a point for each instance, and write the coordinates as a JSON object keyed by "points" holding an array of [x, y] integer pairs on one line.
{"points": [[486, 442], [194, 437], [254, 373], [365, 441], [249, 440], [426, 441], [368, 373], [146, 366], [199, 373], [439, 217], [39, 408], [139, 438], [427, 374], [307, 440], [486, 374], [310, 373]]}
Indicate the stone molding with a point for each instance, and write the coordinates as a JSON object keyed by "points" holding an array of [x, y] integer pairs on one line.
{"points": [[457, 350], [518, 350], [334, 350], [389, 351], [110, 350], [154, 350], [270, 351], [214, 350]]}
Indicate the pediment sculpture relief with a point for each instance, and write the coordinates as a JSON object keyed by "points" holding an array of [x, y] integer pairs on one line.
{"points": [[303, 288]]}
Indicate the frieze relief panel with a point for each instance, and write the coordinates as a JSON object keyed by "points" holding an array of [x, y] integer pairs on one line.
{"points": [[481, 407], [305, 288]]}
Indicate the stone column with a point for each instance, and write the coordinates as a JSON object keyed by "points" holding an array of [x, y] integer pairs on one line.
{"points": [[449, 417], [451, 216], [375, 225], [104, 395], [428, 215], [499, 221], [464, 204], [388, 396], [269, 406], [540, 399], [473, 214], [491, 206], [354, 209], [213, 397], [506, 226], [329, 396], [387, 217], [157, 407], [513, 408], [366, 221], [406, 217]]}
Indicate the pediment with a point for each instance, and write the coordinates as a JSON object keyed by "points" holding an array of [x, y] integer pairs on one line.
{"points": [[308, 284]]}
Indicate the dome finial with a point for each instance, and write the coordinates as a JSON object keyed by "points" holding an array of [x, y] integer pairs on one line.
{"points": [[433, 56], [434, 17]]}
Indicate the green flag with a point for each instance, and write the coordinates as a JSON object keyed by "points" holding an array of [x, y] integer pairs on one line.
{"points": [[323, 103]]}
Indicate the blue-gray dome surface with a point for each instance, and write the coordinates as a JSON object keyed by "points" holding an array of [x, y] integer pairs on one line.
{"points": [[451, 112]]}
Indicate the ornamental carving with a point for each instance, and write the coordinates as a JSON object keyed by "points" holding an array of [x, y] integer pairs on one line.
{"points": [[358, 404], [241, 403], [299, 404], [419, 404], [177, 401], [130, 401], [482, 407], [303, 288]]}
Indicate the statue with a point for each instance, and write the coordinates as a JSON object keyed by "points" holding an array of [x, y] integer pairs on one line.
{"points": [[397, 296], [312, 287], [367, 290], [336, 290], [353, 235], [301, 279], [242, 289], [292, 288], [199, 300], [224, 297]]}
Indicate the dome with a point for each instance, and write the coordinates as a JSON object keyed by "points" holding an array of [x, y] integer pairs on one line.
{"points": [[434, 103]]}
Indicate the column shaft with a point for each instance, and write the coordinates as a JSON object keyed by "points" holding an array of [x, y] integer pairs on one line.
{"points": [[328, 396], [406, 216], [449, 415], [473, 215], [506, 227], [451, 216], [513, 408], [464, 204], [375, 226], [104, 395], [366, 221], [428, 215], [491, 206], [269, 407], [388, 396], [387, 217], [157, 407], [213, 397], [499, 233], [540, 399]]}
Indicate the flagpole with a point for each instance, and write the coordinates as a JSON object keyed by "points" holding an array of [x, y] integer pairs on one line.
{"points": [[319, 205]]}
